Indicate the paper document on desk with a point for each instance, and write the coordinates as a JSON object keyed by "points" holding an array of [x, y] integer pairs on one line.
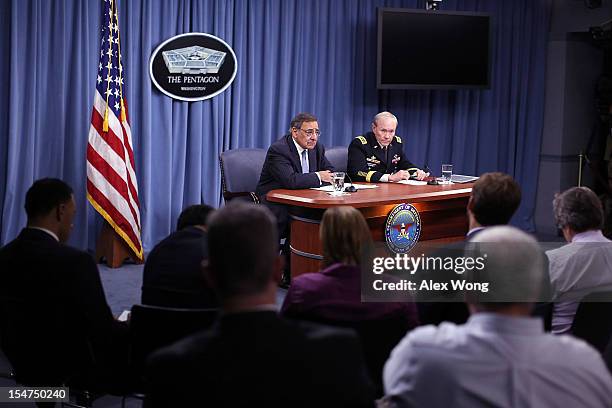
{"points": [[460, 178], [357, 186], [413, 182]]}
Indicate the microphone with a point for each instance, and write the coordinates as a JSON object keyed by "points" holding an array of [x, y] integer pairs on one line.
{"points": [[432, 180], [351, 188]]}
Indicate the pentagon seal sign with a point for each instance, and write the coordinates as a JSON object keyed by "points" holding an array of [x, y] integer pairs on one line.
{"points": [[403, 228], [193, 66]]}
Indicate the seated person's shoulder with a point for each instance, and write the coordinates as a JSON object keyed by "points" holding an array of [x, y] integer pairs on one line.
{"points": [[279, 144], [444, 335], [571, 345], [77, 256], [181, 353], [564, 252], [72, 251], [315, 336], [321, 332], [66, 255], [186, 235], [359, 141]]}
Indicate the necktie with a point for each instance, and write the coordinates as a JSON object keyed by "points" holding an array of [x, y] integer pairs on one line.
{"points": [[305, 161], [386, 148]]}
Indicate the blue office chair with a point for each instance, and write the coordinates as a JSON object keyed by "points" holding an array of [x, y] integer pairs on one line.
{"points": [[338, 157], [240, 171]]}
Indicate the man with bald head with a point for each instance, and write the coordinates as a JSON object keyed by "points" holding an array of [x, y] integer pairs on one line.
{"points": [[378, 156]]}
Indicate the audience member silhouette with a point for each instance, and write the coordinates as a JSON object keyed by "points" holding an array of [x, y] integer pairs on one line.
{"points": [[584, 265], [333, 295], [172, 275], [501, 357], [56, 325], [493, 201], [252, 357]]}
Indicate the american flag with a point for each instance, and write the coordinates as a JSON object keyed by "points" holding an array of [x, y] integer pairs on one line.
{"points": [[111, 180]]}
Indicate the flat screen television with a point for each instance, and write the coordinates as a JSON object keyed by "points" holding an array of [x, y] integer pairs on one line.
{"points": [[419, 49]]}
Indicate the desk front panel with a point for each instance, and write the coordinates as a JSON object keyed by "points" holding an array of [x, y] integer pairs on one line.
{"points": [[443, 219]]}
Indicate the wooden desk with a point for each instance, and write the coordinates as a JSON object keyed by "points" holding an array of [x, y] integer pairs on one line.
{"points": [[442, 210]]}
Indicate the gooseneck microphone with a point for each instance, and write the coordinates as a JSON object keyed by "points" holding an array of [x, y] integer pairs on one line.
{"points": [[432, 181], [351, 188]]}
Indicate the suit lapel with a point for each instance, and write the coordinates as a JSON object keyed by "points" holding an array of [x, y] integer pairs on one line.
{"points": [[312, 160], [295, 157]]}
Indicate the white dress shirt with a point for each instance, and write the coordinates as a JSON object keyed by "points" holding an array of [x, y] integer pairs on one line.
{"points": [[47, 231], [495, 361], [300, 149], [577, 269]]}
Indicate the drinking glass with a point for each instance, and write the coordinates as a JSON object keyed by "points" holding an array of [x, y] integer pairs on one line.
{"points": [[338, 182], [447, 173]]}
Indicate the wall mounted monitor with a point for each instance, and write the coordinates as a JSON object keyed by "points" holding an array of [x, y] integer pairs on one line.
{"points": [[419, 49]]}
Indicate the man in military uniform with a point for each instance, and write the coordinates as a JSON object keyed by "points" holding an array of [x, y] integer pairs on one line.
{"points": [[378, 156]]}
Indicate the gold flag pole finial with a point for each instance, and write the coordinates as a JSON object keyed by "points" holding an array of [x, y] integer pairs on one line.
{"points": [[123, 117], [105, 123]]}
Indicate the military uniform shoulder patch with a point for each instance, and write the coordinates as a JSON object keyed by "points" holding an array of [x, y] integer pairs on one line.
{"points": [[362, 139], [398, 139]]}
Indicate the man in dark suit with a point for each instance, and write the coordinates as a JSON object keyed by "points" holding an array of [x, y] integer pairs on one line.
{"points": [[172, 275], [378, 156], [56, 325], [252, 357], [295, 161]]}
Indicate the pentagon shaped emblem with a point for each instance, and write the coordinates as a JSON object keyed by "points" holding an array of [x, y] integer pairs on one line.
{"points": [[193, 66]]}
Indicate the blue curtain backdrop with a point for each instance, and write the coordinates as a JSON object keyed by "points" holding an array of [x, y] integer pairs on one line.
{"points": [[293, 55]]}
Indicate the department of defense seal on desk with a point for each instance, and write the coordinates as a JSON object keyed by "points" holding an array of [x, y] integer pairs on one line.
{"points": [[403, 228]]}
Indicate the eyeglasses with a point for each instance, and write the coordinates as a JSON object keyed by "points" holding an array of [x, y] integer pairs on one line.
{"points": [[311, 132]]}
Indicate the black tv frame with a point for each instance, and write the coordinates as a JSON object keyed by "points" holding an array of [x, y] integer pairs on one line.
{"points": [[381, 86]]}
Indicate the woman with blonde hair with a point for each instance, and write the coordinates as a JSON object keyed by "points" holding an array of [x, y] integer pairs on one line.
{"points": [[333, 295], [345, 236]]}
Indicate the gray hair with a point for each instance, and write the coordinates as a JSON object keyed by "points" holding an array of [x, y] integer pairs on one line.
{"points": [[579, 209], [242, 245], [384, 115], [515, 267]]}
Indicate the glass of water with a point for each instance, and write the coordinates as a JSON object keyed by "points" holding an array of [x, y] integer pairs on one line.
{"points": [[338, 182], [447, 173]]}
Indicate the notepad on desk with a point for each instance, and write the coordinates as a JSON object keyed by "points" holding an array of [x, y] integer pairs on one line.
{"points": [[412, 182]]}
